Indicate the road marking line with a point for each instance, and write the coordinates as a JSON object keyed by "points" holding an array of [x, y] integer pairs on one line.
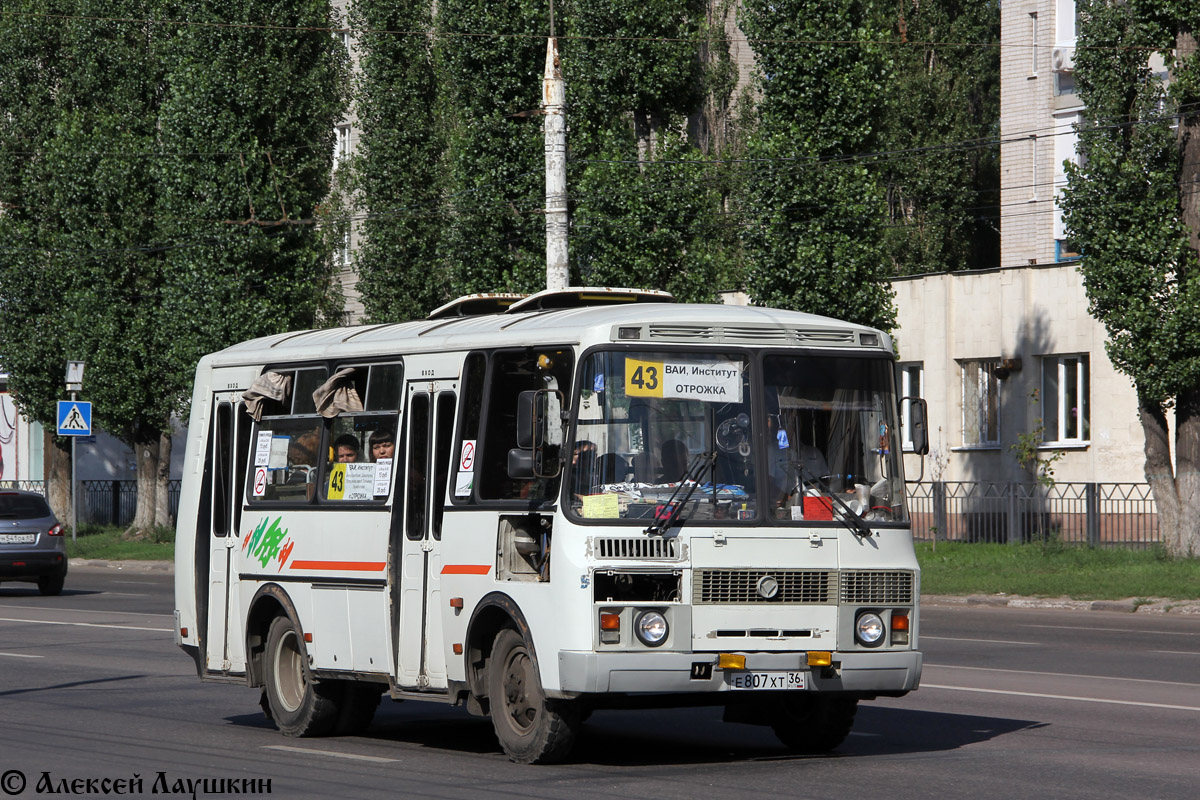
{"points": [[1113, 630], [87, 611], [86, 625], [1068, 674], [20, 655], [989, 641], [1177, 652], [1061, 697], [310, 752]]}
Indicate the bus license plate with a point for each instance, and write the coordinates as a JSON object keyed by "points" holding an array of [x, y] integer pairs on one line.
{"points": [[16, 538], [765, 681]]}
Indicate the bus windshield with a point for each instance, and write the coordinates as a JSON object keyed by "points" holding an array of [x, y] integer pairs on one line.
{"points": [[651, 421]]}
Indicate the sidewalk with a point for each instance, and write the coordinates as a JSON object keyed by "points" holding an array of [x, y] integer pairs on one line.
{"points": [[1130, 605]]}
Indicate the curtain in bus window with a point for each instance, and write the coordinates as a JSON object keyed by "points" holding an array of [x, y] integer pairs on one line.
{"points": [[268, 386], [338, 395]]}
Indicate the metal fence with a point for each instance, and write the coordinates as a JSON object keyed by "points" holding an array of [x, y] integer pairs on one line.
{"points": [[1092, 514], [105, 502]]}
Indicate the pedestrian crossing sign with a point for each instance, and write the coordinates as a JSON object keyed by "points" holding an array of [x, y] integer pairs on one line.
{"points": [[74, 418]]}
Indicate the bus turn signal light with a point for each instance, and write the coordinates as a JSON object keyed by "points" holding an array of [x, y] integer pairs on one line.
{"points": [[899, 622], [731, 661], [820, 658]]}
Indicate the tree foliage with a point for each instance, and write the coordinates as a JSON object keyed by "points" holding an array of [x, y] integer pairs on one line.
{"points": [[159, 186], [814, 211], [1131, 209], [940, 121]]}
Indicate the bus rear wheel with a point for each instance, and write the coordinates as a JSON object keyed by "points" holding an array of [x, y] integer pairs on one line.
{"points": [[298, 705], [812, 723], [532, 728]]}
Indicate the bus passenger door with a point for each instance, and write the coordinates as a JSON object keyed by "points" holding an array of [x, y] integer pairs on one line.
{"points": [[229, 438], [421, 660]]}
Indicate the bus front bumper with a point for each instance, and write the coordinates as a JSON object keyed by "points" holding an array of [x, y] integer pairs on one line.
{"points": [[888, 673]]}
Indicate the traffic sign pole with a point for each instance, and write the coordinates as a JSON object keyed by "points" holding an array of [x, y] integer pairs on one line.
{"points": [[74, 488]]}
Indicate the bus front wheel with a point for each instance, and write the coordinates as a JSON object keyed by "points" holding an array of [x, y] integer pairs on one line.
{"points": [[811, 723], [532, 728], [298, 705]]}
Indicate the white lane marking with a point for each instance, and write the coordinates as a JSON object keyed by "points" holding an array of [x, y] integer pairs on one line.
{"points": [[310, 752], [1112, 630], [989, 641], [87, 625], [1061, 697], [1065, 675], [86, 611], [20, 655], [1177, 652], [137, 583]]}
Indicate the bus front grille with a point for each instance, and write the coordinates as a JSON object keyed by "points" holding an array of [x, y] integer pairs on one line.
{"points": [[877, 587], [789, 586], [639, 548]]}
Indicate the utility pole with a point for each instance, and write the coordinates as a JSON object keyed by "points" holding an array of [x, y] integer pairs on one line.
{"points": [[553, 106]]}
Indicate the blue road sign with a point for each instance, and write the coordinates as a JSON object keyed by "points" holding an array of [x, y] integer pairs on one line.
{"points": [[74, 418]]}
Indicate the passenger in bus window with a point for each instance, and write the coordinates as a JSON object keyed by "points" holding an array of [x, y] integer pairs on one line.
{"points": [[345, 448], [383, 444]]}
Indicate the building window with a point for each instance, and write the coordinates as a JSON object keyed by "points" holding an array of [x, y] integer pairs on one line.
{"points": [[1033, 34], [344, 248], [912, 385], [1065, 399], [1066, 140], [981, 402], [341, 148]]}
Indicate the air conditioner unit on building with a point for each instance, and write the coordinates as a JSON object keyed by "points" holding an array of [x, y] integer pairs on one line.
{"points": [[1062, 59]]}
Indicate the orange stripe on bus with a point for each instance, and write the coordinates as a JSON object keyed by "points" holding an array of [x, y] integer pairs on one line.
{"points": [[345, 566], [466, 569]]}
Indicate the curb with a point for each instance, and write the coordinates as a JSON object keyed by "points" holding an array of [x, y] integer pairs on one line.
{"points": [[131, 566], [1130, 605]]}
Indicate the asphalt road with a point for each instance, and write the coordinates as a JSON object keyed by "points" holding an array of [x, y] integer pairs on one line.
{"points": [[1014, 703]]}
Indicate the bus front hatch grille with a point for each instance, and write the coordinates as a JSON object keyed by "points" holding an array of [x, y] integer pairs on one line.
{"points": [[877, 587], [788, 586]]}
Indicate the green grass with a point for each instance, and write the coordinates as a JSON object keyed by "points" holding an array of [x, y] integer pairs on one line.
{"points": [[106, 543], [1056, 571]]}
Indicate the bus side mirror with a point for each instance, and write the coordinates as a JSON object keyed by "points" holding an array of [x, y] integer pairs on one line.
{"points": [[539, 435], [918, 413]]}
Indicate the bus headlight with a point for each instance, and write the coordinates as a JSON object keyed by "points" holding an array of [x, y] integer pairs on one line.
{"points": [[651, 628], [868, 628]]}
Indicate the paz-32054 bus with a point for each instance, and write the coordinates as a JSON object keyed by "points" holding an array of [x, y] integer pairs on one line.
{"points": [[538, 506]]}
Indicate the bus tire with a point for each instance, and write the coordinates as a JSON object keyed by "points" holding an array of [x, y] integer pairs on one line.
{"points": [[298, 705], [813, 723], [531, 728], [358, 703]]}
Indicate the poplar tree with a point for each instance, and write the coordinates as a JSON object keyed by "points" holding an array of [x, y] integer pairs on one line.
{"points": [[1132, 208], [161, 181], [812, 209]]}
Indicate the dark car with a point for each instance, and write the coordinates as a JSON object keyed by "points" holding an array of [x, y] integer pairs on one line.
{"points": [[32, 545]]}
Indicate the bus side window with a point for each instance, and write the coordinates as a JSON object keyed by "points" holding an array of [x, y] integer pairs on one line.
{"points": [[468, 433], [510, 373]]}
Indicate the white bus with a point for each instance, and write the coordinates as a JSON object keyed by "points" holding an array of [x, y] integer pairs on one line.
{"points": [[538, 506]]}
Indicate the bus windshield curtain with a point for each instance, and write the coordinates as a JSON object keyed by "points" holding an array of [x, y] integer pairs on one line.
{"points": [[338, 395], [268, 386]]}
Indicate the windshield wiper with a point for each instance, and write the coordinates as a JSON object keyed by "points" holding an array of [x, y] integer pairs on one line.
{"points": [[850, 518], [692, 477]]}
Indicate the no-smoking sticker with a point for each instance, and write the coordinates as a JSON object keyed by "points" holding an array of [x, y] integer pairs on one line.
{"points": [[467, 462], [260, 481]]}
